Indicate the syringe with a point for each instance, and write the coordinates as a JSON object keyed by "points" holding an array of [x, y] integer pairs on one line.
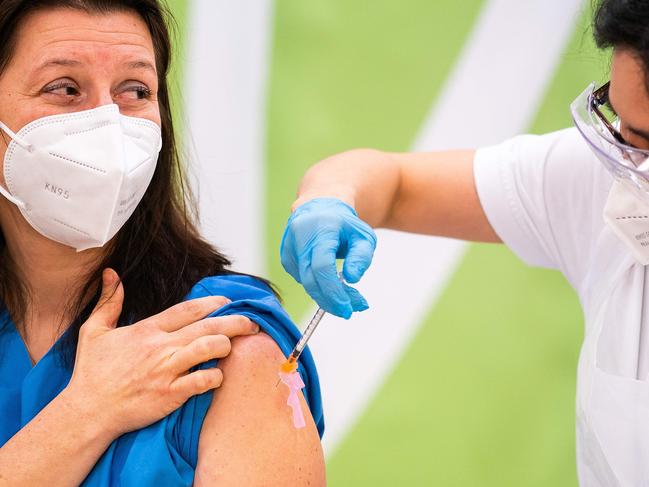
{"points": [[290, 365], [291, 362]]}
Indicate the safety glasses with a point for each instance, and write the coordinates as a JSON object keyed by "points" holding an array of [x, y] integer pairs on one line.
{"points": [[601, 131], [599, 100]]}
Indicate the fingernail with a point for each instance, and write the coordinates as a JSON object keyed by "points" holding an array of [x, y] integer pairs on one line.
{"points": [[256, 329]]}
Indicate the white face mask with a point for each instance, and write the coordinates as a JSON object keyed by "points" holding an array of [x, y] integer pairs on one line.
{"points": [[78, 177], [628, 216]]}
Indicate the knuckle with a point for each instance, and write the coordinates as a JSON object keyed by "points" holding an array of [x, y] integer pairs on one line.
{"points": [[148, 343], [144, 332], [203, 347], [322, 263], [320, 268], [202, 382], [174, 389], [193, 307], [165, 389], [206, 326]]}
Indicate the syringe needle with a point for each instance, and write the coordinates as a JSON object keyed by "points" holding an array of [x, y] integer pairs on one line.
{"points": [[291, 363]]}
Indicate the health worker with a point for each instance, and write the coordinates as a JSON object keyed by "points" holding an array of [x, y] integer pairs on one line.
{"points": [[576, 200], [114, 311]]}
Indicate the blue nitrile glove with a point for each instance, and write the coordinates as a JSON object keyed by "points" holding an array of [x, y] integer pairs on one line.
{"points": [[317, 233]]}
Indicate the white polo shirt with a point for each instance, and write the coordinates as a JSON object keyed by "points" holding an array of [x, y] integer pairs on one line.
{"points": [[544, 196]]}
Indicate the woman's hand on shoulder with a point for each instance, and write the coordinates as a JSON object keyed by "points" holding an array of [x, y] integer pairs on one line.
{"points": [[132, 376], [248, 437]]}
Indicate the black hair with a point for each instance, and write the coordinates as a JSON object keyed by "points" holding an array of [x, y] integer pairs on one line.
{"points": [[624, 24]]}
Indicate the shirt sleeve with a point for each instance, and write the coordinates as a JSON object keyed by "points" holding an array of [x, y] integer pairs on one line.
{"points": [[251, 298], [544, 197]]}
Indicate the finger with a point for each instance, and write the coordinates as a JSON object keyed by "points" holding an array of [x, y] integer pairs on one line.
{"points": [[197, 382], [358, 259], [230, 326], [200, 350], [109, 306], [187, 312], [307, 279], [357, 300], [327, 302], [323, 266]]}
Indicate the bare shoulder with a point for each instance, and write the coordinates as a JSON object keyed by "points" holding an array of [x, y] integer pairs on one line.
{"points": [[253, 351], [248, 437]]}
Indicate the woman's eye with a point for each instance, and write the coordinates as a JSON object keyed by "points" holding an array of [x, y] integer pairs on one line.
{"points": [[137, 92], [63, 88]]}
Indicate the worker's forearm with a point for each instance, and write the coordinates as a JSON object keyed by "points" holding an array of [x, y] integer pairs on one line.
{"points": [[367, 179], [58, 447], [422, 192]]}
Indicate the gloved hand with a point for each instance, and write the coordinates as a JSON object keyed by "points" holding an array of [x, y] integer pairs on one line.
{"points": [[318, 232]]}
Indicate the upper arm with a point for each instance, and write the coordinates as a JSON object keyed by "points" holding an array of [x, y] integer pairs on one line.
{"points": [[248, 437], [437, 195]]}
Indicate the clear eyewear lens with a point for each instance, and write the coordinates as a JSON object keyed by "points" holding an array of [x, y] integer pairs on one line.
{"points": [[637, 158], [625, 163]]}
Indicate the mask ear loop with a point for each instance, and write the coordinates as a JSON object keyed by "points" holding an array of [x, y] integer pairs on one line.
{"points": [[28, 147], [18, 140]]}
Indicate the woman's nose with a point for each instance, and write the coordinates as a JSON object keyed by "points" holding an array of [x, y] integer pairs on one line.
{"points": [[100, 98]]}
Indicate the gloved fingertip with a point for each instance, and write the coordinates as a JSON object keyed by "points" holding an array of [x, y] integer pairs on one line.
{"points": [[353, 271], [361, 307], [346, 313], [335, 303], [350, 274], [356, 299], [337, 310]]}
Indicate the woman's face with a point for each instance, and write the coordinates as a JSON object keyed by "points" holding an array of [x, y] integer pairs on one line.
{"points": [[66, 60]]}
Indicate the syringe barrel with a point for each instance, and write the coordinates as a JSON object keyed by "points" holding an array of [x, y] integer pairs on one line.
{"points": [[308, 331]]}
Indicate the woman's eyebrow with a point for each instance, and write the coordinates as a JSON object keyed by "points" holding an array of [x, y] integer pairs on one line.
{"points": [[58, 62], [141, 64], [138, 64]]}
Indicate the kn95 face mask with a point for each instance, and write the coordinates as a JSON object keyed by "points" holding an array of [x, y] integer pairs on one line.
{"points": [[627, 214], [77, 177]]}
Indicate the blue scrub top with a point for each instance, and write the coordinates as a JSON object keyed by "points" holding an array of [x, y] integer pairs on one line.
{"points": [[164, 453]]}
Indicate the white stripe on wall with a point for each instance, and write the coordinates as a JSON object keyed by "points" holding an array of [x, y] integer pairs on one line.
{"points": [[492, 93], [226, 76]]}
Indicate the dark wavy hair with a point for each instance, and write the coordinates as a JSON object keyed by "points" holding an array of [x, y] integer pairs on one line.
{"points": [[159, 253], [624, 24]]}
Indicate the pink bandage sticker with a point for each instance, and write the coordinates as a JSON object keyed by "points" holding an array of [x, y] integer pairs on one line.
{"points": [[294, 383]]}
